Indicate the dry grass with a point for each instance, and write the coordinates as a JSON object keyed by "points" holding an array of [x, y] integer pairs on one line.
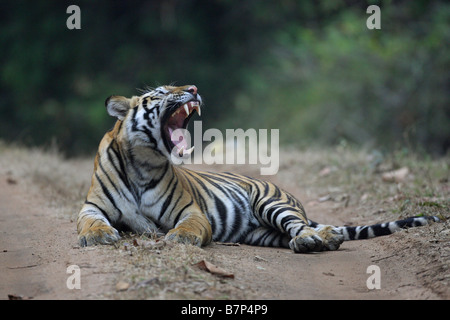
{"points": [[353, 178], [64, 183], [156, 269]]}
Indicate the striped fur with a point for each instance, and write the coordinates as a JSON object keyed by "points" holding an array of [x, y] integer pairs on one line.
{"points": [[135, 187]]}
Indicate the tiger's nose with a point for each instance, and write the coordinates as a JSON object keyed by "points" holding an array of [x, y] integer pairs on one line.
{"points": [[192, 90]]}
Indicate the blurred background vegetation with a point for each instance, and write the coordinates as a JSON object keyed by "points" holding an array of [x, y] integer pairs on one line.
{"points": [[309, 68]]}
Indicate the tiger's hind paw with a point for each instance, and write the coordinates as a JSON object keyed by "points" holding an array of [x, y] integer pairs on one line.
{"points": [[307, 241], [327, 238], [332, 237], [98, 233]]}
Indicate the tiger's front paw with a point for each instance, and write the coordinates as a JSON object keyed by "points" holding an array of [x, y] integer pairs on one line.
{"points": [[183, 235], [97, 232]]}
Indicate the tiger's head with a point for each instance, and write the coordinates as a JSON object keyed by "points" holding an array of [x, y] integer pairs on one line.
{"points": [[152, 119]]}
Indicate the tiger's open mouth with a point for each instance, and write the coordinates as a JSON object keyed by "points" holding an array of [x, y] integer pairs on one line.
{"points": [[179, 119]]}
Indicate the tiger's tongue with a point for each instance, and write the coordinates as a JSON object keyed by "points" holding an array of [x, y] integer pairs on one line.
{"points": [[177, 137]]}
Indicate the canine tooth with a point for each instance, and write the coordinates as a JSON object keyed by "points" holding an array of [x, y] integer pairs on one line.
{"points": [[181, 151], [189, 151], [186, 108], [198, 110]]}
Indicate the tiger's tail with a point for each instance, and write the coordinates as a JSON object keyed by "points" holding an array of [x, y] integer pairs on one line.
{"points": [[380, 229]]}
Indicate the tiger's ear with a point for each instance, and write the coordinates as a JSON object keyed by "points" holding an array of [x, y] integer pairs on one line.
{"points": [[118, 106]]}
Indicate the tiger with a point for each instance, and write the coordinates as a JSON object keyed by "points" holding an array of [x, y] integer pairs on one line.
{"points": [[136, 187]]}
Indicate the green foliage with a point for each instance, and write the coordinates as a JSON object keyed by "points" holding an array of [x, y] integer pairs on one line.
{"points": [[342, 81], [310, 68]]}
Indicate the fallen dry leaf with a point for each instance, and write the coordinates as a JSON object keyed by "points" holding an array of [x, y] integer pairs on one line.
{"points": [[324, 172], [122, 286], [396, 175], [208, 266]]}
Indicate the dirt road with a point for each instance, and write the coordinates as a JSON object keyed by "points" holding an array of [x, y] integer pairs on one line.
{"points": [[37, 245]]}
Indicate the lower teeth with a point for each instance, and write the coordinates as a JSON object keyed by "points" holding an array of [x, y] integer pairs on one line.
{"points": [[182, 152]]}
